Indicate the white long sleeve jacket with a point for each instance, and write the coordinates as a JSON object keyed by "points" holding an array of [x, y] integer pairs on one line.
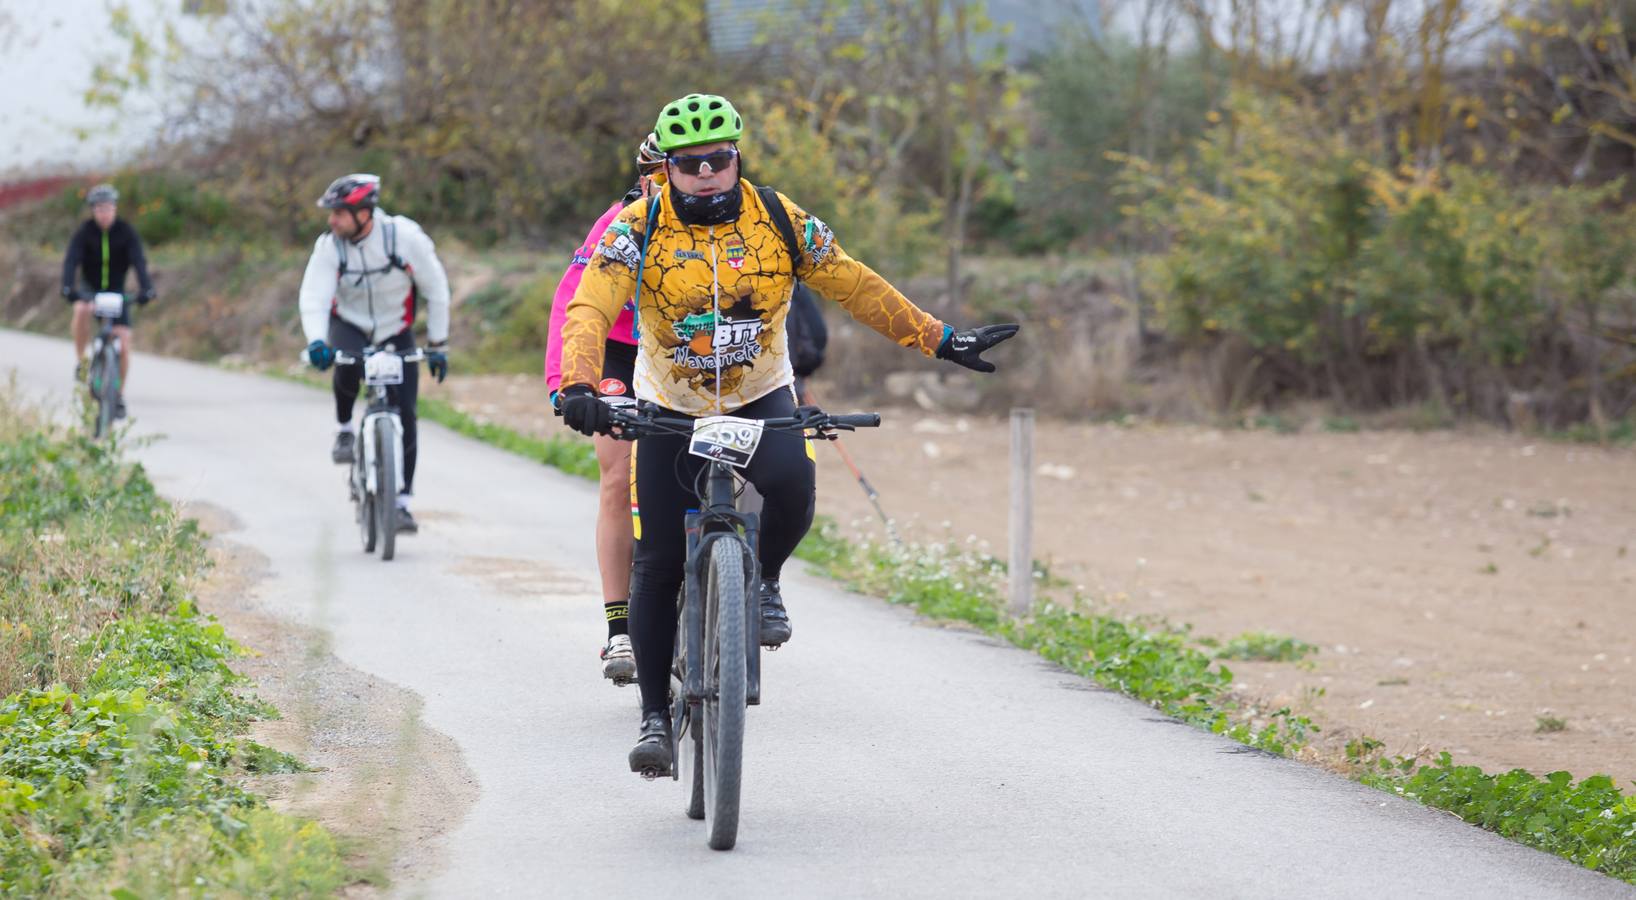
{"points": [[373, 294]]}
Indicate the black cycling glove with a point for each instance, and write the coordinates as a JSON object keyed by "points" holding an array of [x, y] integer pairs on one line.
{"points": [[437, 361], [966, 347], [583, 412]]}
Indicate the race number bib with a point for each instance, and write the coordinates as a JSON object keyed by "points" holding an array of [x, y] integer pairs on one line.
{"points": [[109, 305], [383, 368], [726, 438]]}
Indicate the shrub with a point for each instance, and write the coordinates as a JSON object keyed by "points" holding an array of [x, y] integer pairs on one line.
{"points": [[1369, 285]]}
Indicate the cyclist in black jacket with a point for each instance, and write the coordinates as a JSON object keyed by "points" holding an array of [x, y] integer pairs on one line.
{"points": [[101, 252]]}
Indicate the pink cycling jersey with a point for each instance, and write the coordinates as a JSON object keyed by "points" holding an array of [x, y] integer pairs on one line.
{"points": [[622, 327]]}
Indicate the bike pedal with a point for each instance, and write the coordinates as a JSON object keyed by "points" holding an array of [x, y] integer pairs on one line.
{"points": [[623, 682]]}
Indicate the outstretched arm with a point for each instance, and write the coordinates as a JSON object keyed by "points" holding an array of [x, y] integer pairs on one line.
{"points": [[870, 299], [861, 291]]}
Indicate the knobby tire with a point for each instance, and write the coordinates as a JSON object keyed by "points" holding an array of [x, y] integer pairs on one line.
{"points": [[689, 746], [366, 501], [724, 704], [107, 389], [386, 486]]}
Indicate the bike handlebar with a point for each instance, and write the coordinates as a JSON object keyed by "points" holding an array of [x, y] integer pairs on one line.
{"points": [[851, 421], [344, 358], [632, 424]]}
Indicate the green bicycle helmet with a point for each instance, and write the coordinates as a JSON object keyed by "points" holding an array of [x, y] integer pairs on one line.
{"points": [[697, 119]]}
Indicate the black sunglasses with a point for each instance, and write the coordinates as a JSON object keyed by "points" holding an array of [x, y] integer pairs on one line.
{"points": [[692, 165]]}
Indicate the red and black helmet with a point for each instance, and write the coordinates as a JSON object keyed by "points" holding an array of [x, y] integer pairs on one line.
{"points": [[357, 191]]}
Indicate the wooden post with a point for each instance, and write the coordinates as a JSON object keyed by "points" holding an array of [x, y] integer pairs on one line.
{"points": [[1021, 562]]}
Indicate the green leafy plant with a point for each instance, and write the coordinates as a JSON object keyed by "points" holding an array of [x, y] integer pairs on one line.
{"points": [[121, 725], [1589, 822], [1266, 647]]}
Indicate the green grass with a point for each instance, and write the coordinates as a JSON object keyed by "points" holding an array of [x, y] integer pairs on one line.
{"points": [[121, 725], [1261, 646]]}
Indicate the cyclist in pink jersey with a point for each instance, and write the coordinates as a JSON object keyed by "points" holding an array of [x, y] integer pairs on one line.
{"points": [[614, 528]]}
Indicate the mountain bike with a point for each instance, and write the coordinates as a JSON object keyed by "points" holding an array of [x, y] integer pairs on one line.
{"points": [[102, 376], [717, 667], [378, 462]]}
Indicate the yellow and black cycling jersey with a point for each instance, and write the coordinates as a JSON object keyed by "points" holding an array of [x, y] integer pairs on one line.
{"points": [[713, 302]]}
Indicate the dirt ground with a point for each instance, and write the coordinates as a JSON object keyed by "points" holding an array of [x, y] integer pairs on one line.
{"points": [[382, 782], [1462, 585]]}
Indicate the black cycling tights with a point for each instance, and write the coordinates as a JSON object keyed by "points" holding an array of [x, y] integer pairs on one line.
{"points": [[665, 478], [348, 337]]}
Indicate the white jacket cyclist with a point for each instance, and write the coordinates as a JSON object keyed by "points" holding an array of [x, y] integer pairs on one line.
{"points": [[373, 284]]}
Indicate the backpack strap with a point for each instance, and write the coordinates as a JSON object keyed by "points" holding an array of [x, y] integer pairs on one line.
{"points": [[781, 221], [641, 263], [340, 255], [390, 237]]}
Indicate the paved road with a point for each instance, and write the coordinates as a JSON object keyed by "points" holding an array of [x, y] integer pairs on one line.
{"points": [[889, 758]]}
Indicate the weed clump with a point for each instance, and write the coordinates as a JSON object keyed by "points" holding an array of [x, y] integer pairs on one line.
{"points": [[120, 721]]}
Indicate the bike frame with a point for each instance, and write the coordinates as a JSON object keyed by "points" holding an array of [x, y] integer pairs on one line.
{"points": [[104, 339], [379, 407]]}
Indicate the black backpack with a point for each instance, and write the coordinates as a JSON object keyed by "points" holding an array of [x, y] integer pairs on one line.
{"points": [[808, 335]]}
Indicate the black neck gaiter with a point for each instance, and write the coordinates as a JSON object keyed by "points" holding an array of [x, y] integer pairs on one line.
{"points": [[716, 209]]}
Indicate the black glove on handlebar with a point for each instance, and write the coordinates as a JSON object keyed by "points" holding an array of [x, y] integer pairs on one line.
{"points": [[437, 360], [147, 295], [583, 412], [966, 347]]}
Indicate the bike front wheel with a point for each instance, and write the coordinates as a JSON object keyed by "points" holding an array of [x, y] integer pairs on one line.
{"points": [[724, 703], [386, 486], [106, 384], [363, 500]]}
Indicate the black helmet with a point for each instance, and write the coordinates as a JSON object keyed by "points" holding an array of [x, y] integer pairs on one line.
{"points": [[358, 191], [102, 193]]}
